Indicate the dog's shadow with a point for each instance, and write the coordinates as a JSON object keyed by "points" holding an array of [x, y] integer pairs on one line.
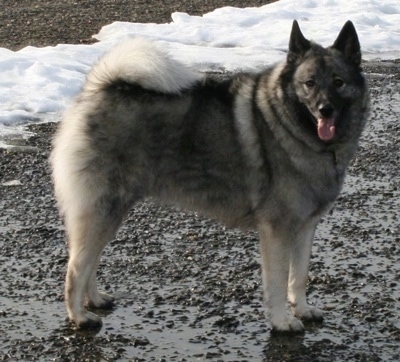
{"points": [[294, 347], [285, 347]]}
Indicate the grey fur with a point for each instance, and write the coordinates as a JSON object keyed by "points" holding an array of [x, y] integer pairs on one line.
{"points": [[266, 151]]}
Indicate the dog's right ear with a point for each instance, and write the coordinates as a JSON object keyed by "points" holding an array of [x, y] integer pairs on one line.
{"points": [[298, 44]]}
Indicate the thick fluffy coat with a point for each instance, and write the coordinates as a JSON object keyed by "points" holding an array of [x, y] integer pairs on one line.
{"points": [[266, 151]]}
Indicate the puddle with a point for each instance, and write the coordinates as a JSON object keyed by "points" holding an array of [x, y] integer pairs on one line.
{"points": [[188, 289]]}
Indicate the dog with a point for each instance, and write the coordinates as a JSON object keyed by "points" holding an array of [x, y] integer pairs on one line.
{"points": [[265, 151]]}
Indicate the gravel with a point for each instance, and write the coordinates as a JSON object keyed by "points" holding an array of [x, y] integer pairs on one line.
{"points": [[51, 22], [187, 288]]}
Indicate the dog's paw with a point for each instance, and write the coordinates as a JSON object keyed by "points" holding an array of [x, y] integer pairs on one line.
{"points": [[287, 325], [309, 314], [88, 320], [101, 301]]}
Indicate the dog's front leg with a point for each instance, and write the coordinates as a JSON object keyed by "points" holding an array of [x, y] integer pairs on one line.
{"points": [[299, 264], [275, 248]]}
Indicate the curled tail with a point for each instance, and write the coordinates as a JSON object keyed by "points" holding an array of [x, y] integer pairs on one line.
{"points": [[142, 62]]}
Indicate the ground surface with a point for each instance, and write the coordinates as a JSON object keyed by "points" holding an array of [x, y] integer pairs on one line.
{"points": [[188, 289], [51, 22]]}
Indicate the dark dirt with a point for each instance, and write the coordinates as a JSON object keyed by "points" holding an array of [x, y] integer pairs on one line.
{"points": [[188, 289], [47, 22]]}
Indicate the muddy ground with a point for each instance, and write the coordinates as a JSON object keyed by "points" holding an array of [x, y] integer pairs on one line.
{"points": [[188, 289]]}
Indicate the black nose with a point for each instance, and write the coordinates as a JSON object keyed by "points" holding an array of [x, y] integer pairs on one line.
{"points": [[326, 111]]}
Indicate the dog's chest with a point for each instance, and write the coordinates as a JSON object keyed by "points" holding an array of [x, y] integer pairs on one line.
{"points": [[308, 185]]}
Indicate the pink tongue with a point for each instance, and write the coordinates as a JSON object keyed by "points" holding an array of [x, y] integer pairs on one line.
{"points": [[326, 128]]}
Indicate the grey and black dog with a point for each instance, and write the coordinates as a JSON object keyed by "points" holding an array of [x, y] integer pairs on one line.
{"points": [[266, 151]]}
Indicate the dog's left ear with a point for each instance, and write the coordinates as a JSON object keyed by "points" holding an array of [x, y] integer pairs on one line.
{"points": [[298, 44], [347, 43]]}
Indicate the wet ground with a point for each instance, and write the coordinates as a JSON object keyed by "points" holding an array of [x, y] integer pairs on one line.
{"points": [[187, 289]]}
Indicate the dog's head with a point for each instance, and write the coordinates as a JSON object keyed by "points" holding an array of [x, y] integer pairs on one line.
{"points": [[326, 80]]}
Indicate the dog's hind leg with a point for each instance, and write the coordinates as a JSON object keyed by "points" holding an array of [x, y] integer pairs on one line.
{"points": [[89, 231], [94, 298], [299, 264]]}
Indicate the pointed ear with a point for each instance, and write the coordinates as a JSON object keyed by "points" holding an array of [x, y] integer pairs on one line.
{"points": [[298, 44], [347, 43]]}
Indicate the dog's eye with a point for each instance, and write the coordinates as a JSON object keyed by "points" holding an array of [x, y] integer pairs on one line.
{"points": [[310, 83], [338, 82]]}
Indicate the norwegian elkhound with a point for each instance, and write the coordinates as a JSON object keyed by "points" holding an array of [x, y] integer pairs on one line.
{"points": [[266, 151]]}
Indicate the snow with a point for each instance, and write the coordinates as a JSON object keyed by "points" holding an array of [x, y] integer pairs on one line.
{"points": [[38, 83]]}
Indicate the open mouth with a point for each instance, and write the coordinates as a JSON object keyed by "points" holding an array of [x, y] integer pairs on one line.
{"points": [[326, 128]]}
